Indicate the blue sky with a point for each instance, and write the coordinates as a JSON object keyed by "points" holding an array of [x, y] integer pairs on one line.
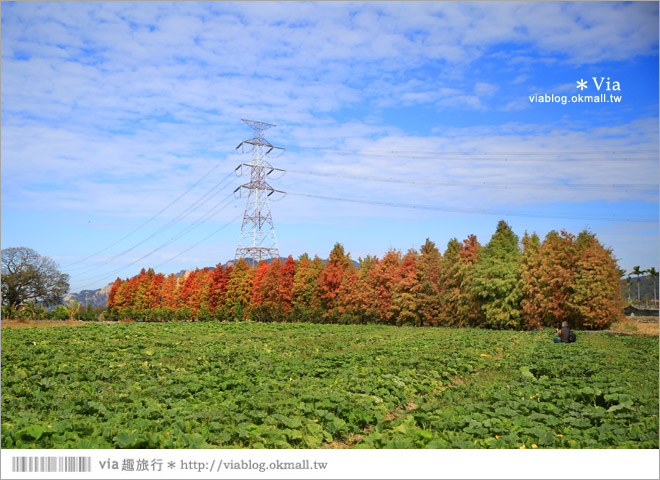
{"points": [[110, 111]]}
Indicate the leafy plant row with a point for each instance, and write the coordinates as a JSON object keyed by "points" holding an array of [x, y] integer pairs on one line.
{"points": [[600, 394], [254, 385], [507, 283]]}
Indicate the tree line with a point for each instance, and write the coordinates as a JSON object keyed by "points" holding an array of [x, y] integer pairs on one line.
{"points": [[650, 274], [507, 283]]}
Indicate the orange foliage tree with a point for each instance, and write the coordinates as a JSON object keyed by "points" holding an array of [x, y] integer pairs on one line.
{"points": [[331, 279], [596, 298], [405, 291], [239, 290], [305, 292], [218, 280], [382, 282], [287, 274], [562, 278], [557, 278]]}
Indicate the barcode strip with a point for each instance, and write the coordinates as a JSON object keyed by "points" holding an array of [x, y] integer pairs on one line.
{"points": [[51, 464]]}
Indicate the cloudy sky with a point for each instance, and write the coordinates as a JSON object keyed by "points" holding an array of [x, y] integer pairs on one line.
{"points": [[400, 121]]}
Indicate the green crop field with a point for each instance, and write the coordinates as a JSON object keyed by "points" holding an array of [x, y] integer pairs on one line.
{"points": [[254, 385]]}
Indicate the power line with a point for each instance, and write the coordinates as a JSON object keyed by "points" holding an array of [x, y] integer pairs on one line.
{"points": [[201, 241], [560, 156], [149, 220], [188, 229], [471, 211], [198, 203], [534, 186], [458, 152], [195, 224]]}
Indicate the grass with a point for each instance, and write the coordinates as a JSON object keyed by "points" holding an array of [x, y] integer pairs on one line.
{"points": [[636, 325]]}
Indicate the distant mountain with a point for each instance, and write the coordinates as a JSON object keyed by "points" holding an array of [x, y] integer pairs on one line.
{"points": [[95, 298]]}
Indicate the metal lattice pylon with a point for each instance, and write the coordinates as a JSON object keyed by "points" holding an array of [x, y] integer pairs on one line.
{"points": [[257, 239]]}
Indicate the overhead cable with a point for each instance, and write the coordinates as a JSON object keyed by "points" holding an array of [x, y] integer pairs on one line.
{"points": [[474, 211], [149, 220]]}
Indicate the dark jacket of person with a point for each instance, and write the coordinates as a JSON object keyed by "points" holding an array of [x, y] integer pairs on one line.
{"points": [[564, 334]]}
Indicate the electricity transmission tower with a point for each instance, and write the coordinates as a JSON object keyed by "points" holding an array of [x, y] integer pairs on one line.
{"points": [[257, 239]]}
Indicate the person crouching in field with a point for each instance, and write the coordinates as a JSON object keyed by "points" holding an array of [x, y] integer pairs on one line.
{"points": [[563, 333]]}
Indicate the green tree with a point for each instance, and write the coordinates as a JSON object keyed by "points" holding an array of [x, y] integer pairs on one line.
{"points": [[532, 287], [628, 288], [497, 279], [653, 276], [29, 277], [32, 311], [73, 306], [460, 305], [430, 286], [638, 273]]}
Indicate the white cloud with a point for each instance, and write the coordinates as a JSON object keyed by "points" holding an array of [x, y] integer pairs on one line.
{"points": [[484, 89], [116, 107]]}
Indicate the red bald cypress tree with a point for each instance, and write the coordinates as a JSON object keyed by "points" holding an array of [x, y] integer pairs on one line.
{"points": [[346, 310], [287, 275], [406, 290], [266, 294], [257, 293], [170, 292], [113, 292], [596, 298], [154, 298], [559, 255], [331, 279], [187, 290], [383, 280], [197, 299], [470, 250], [218, 280]]}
